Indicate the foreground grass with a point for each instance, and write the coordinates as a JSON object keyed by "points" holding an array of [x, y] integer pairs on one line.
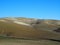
{"points": [[14, 41]]}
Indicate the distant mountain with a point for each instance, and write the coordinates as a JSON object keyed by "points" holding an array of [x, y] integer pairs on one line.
{"points": [[30, 28]]}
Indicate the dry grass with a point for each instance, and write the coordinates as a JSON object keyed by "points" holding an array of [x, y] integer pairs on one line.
{"points": [[21, 31], [27, 42], [26, 32]]}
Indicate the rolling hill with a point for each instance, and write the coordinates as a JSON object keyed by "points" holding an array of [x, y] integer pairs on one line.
{"points": [[29, 28]]}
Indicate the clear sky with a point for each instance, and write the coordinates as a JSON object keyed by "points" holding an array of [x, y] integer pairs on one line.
{"points": [[45, 9]]}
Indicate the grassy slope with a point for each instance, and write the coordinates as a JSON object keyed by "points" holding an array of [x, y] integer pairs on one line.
{"points": [[21, 31], [28, 42]]}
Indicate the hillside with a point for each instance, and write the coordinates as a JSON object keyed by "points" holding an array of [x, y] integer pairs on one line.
{"points": [[29, 28]]}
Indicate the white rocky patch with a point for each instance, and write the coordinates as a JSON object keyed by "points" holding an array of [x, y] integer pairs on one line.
{"points": [[22, 23], [3, 20]]}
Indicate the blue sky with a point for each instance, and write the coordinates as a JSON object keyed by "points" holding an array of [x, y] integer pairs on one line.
{"points": [[45, 9]]}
